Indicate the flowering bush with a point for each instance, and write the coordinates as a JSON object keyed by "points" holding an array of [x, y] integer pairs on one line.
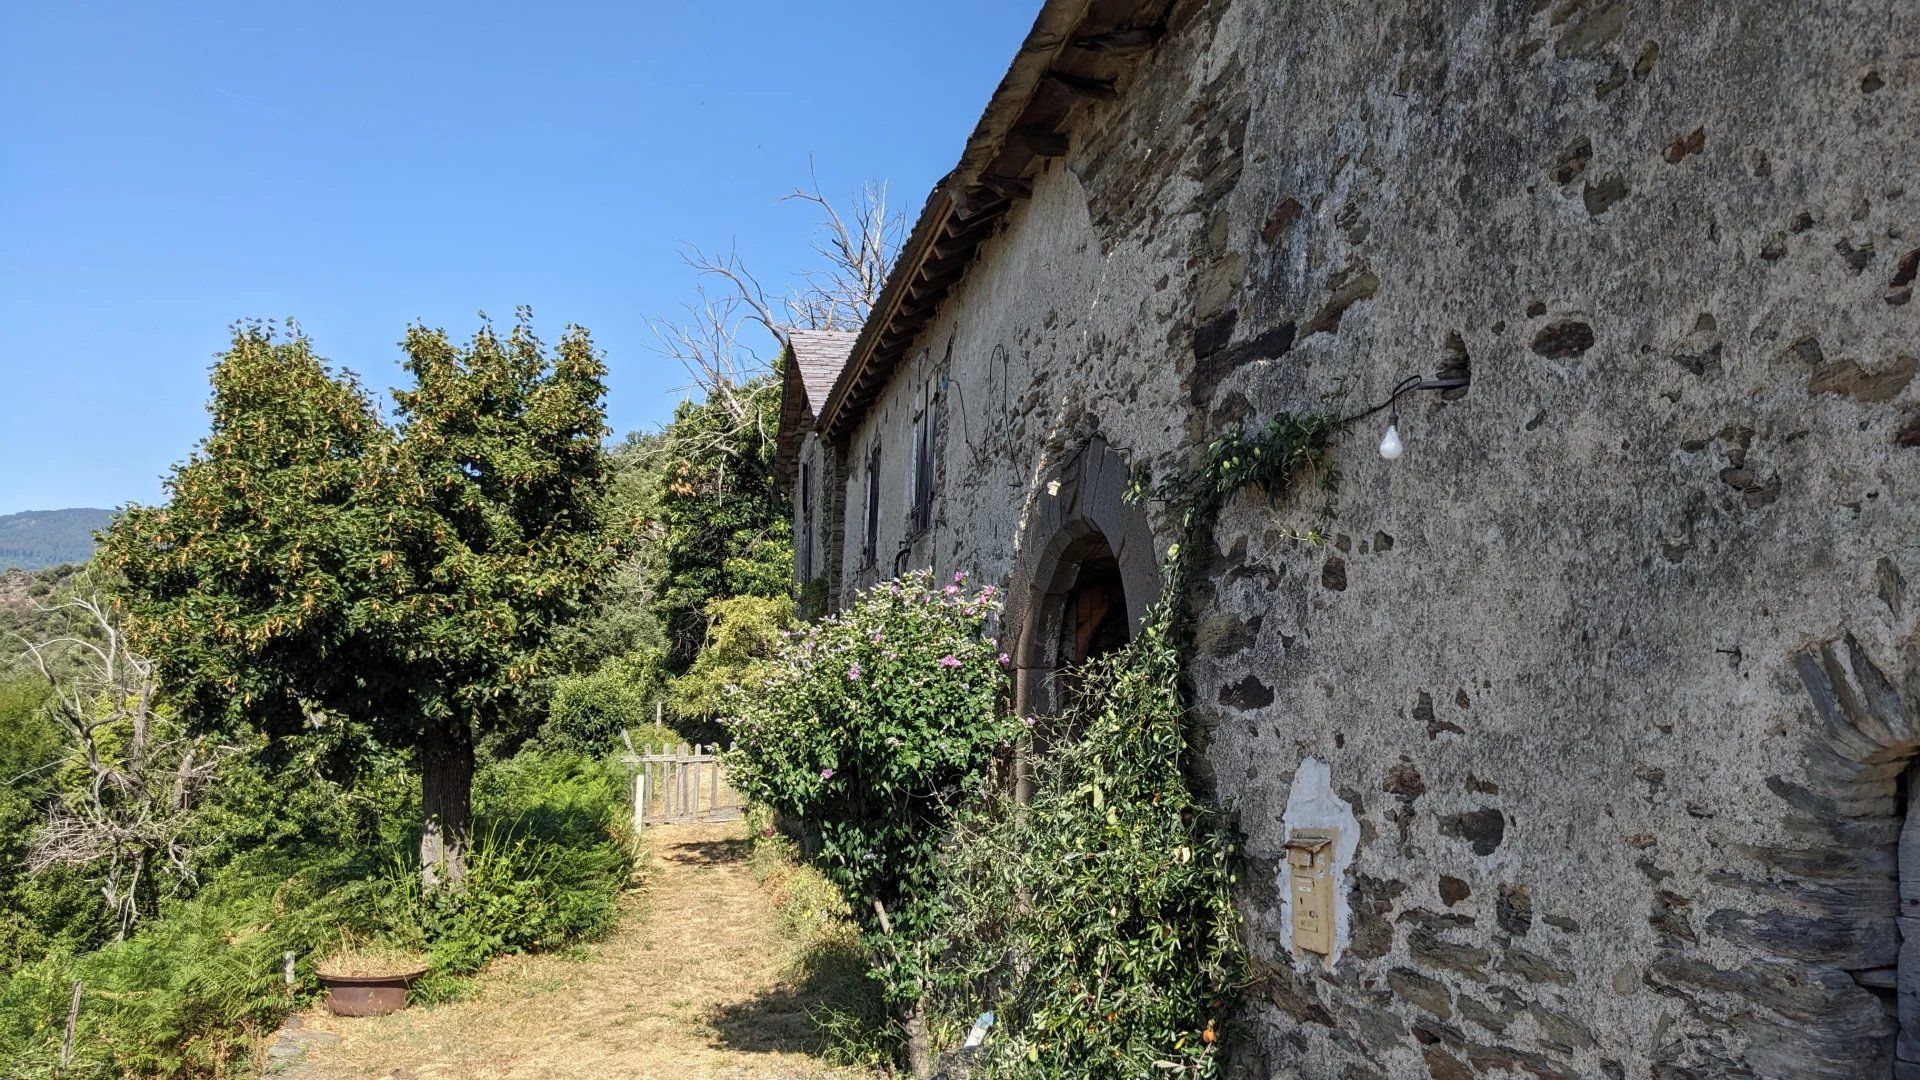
{"points": [[875, 725]]}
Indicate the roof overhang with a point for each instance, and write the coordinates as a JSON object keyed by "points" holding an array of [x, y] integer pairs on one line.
{"points": [[1076, 53], [796, 419]]}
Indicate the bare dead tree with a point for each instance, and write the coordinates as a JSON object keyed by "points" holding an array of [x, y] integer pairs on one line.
{"points": [[141, 773], [708, 344], [857, 254], [856, 248]]}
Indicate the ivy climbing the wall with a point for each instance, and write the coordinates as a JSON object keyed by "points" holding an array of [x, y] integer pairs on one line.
{"points": [[1099, 921]]}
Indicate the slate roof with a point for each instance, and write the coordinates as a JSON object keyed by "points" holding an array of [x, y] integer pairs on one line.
{"points": [[818, 358], [820, 355]]}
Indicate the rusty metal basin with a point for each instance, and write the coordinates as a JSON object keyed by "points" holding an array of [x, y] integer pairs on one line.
{"points": [[367, 995]]}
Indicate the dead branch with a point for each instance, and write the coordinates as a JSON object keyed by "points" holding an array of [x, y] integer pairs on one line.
{"points": [[856, 251], [140, 774]]}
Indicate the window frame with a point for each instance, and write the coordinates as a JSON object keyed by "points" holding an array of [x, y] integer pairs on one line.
{"points": [[806, 520], [870, 526], [921, 480]]}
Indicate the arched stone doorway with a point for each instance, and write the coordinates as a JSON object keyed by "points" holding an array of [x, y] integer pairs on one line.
{"points": [[1086, 572], [1855, 864], [1080, 614]]}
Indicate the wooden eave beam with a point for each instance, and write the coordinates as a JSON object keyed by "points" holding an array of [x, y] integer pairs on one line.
{"points": [[977, 204], [1042, 142], [1008, 187], [962, 232], [1082, 86], [942, 264], [1124, 42]]}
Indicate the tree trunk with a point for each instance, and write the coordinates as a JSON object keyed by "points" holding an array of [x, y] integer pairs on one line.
{"points": [[446, 804], [920, 1059]]}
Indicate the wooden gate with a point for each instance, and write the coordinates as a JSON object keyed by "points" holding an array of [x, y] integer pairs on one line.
{"points": [[681, 786]]}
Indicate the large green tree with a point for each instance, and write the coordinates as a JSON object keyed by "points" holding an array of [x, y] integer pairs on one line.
{"points": [[723, 522], [313, 558]]}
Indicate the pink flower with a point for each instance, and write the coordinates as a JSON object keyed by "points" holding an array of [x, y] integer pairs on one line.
{"points": [[953, 590], [949, 661], [1005, 660], [853, 673], [826, 774], [986, 592]]}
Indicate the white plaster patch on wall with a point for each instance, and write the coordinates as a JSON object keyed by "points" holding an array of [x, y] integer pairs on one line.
{"points": [[1312, 804]]}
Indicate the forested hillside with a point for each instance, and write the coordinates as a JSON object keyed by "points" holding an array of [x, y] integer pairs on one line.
{"points": [[25, 597], [40, 538]]}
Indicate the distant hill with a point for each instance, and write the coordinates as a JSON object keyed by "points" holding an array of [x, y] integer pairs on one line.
{"points": [[42, 538]]}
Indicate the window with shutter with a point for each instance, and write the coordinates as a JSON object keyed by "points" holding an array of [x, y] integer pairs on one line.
{"points": [[806, 521], [920, 517], [870, 534]]}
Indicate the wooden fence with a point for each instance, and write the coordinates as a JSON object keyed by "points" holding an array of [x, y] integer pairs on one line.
{"points": [[682, 786]]}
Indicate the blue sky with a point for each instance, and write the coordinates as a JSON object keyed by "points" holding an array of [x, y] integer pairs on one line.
{"points": [[167, 169]]}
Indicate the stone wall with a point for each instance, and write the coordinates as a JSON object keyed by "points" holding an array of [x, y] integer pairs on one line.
{"points": [[1615, 670]]}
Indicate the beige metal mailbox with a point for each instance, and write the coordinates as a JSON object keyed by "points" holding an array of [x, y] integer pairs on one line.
{"points": [[1310, 873]]}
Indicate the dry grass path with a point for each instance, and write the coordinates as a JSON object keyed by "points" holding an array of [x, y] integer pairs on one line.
{"points": [[696, 982]]}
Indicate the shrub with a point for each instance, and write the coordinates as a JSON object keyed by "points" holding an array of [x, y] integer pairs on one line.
{"points": [[875, 725], [743, 635], [550, 862], [58, 908], [1100, 920], [588, 712], [192, 990], [188, 994]]}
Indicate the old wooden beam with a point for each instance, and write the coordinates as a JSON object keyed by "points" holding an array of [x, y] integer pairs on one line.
{"points": [[1043, 142], [977, 205], [941, 266], [1082, 86], [922, 293], [962, 231], [1008, 187], [1121, 42]]}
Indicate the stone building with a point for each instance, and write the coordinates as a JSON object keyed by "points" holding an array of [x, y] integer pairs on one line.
{"points": [[1611, 684], [809, 364]]}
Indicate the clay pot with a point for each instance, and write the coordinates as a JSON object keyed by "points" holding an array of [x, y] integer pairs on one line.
{"points": [[367, 995]]}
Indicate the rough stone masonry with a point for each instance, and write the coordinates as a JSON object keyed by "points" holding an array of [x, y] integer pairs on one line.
{"points": [[1615, 676]]}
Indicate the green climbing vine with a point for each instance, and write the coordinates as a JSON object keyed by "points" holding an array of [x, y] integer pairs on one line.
{"points": [[1099, 921]]}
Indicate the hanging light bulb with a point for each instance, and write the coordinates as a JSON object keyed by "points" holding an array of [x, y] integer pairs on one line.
{"points": [[1391, 447]]}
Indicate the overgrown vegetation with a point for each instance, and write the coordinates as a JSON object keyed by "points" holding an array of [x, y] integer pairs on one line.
{"points": [[297, 866], [744, 633], [723, 523], [1100, 920], [394, 655], [333, 605], [875, 727]]}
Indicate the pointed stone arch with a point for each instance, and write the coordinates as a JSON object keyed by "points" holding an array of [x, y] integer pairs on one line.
{"points": [[1081, 518], [1866, 895]]}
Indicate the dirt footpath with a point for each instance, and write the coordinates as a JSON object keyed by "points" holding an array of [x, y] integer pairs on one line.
{"points": [[695, 983]]}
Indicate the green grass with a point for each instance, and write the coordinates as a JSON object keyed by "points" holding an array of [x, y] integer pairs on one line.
{"points": [[200, 983]]}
